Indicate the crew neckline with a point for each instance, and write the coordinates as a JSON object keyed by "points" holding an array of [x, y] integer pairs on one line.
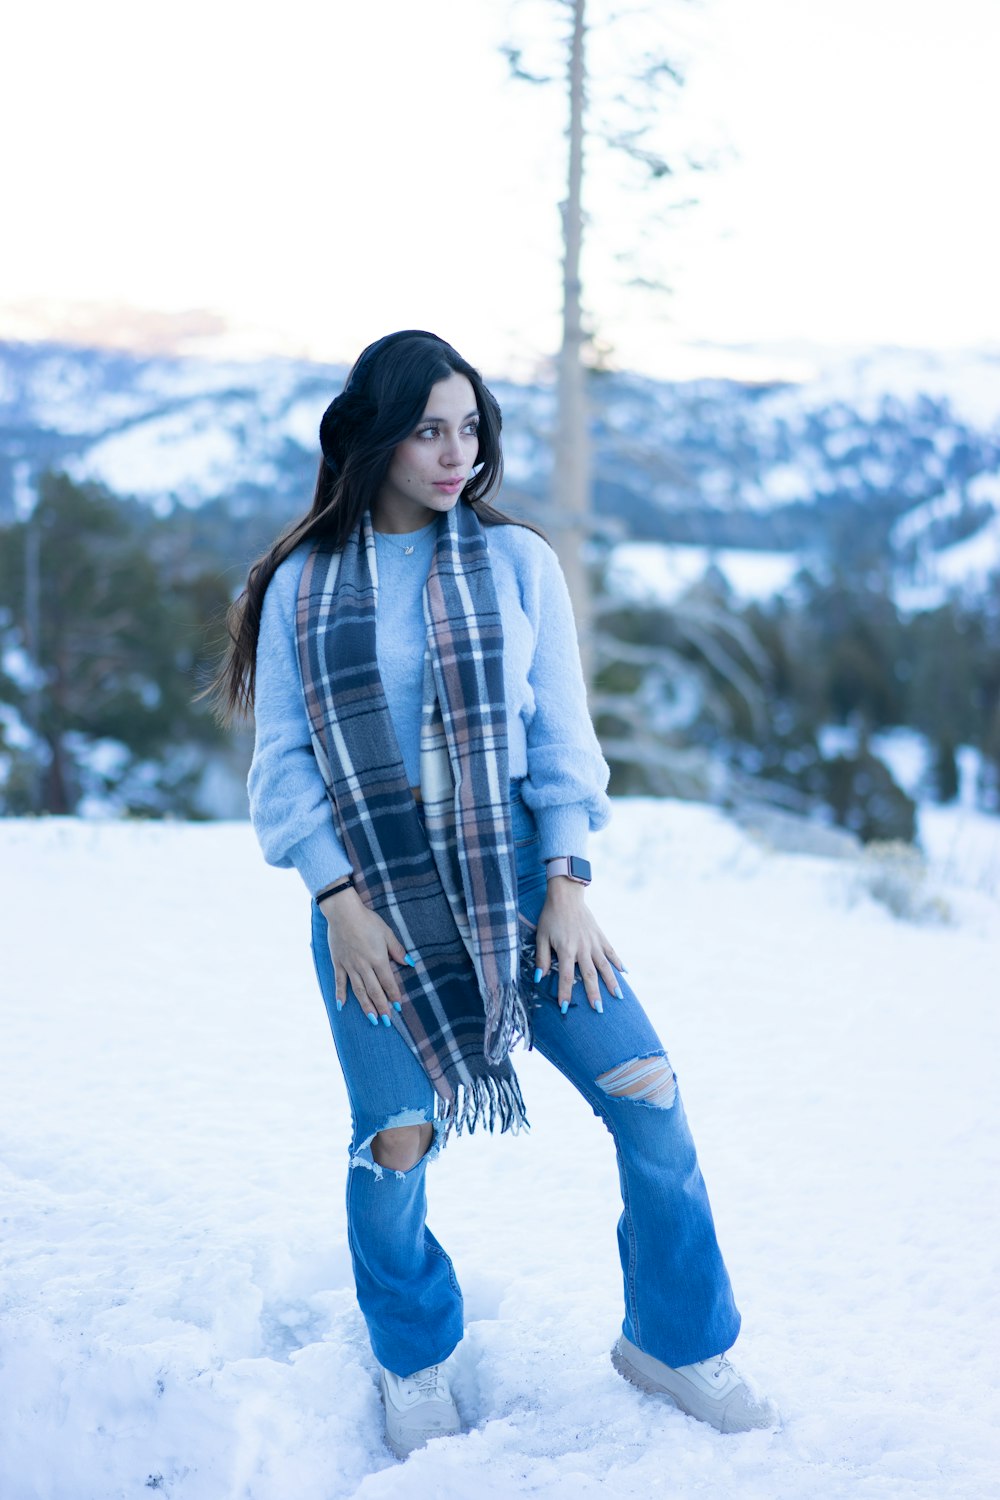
{"points": [[397, 534]]}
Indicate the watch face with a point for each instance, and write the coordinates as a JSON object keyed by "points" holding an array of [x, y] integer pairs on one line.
{"points": [[579, 868]]}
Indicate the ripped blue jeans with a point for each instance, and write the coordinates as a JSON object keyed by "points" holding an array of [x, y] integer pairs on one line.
{"points": [[678, 1301]]}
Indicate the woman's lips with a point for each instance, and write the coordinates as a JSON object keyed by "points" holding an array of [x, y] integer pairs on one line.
{"points": [[448, 485]]}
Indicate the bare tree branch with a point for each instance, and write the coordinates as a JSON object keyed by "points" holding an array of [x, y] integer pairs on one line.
{"points": [[518, 71]]}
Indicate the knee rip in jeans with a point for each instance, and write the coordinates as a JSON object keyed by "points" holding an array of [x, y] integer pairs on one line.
{"points": [[362, 1155], [646, 1080]]}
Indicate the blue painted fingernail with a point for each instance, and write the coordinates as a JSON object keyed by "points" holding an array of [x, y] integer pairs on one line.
{"points": [[396, 1006], [619, 993], [373, 1018], [409, 959], [537, 976], [340, 1004], [386, 1021], [564, 1006], [599, 1007], [623, 970]]}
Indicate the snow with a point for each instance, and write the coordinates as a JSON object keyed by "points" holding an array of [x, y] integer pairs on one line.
{"points": [[178, 1312], [844, 441], [20, 668], [963, 569], [655, 572], [969, 379], [165, 453], [63, 391], [963, 844], [907, 754], [973, 560], [14, 735], [836, 739], [984, 487], [915, 522], [961, 839], [785, 482], [966, 566], [301, 421]]}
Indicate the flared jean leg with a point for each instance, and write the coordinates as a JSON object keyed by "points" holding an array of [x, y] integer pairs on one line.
{"points": [[679, 1303], [678, 1299], [406, 1285]]}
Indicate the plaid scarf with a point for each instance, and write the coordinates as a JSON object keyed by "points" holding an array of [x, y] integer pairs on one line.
{"points": [[447, 885]]}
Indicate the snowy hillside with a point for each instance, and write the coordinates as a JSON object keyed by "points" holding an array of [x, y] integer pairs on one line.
{"points": [[177, 1307], [725, 470]]}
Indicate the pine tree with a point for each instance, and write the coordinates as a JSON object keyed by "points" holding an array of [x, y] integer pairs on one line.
{"points": [[108, 642]]}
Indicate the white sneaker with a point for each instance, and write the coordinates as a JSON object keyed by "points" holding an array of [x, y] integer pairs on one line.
{"points": [[417, 1407], [711, 1390]]}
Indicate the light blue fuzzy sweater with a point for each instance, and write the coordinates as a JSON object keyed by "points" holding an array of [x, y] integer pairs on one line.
{"points": [[551, 739]]}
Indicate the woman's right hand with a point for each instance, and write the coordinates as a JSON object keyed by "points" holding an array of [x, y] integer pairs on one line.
{"points": [[363, 949]]}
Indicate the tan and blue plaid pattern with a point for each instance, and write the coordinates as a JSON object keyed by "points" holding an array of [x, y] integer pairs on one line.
{"points": [[446, 885]]}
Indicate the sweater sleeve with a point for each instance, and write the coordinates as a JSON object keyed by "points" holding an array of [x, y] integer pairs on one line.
{"points": [[289, 807], [567, 781]]}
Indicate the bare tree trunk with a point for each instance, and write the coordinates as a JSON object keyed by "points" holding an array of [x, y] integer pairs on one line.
{"points": [[55, 792], [571, 480], [32, 642]]}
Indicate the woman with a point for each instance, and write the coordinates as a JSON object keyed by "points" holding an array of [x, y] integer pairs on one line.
{"points": [[424, 757]]}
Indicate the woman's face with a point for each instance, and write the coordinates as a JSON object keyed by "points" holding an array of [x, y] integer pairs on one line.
{"points": [[430, 468]]}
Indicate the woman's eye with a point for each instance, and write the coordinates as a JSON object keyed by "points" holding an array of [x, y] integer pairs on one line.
{"points": [[471, 429]]}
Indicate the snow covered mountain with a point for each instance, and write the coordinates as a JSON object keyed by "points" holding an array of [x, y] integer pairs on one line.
{"points": [[897, 451]]}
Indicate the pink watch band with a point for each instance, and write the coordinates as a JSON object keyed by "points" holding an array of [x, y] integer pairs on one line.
{"points": [[570, 865]]}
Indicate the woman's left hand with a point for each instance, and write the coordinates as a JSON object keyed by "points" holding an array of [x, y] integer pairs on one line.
{"points": [[567, 930]]}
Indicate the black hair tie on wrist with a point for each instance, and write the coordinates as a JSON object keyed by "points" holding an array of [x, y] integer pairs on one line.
{"points": [[344, 883]]}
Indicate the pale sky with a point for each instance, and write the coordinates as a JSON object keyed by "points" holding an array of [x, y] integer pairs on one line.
{"points": [[321, 173]]}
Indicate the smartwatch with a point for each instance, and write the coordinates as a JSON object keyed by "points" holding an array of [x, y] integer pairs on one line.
{"points": [[572, 865]]}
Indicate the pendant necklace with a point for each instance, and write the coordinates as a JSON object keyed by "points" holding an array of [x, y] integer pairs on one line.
{"points": [[395, 540]]}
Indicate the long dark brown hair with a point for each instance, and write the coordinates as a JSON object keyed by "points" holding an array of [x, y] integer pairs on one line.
{"points": [[382, 402]]}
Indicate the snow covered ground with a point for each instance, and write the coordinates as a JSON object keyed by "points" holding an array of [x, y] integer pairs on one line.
{"points": [[176, 1306]]}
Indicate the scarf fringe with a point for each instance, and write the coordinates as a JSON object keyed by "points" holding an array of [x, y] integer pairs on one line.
{"points": [[508, 1019], [486, 1101]]}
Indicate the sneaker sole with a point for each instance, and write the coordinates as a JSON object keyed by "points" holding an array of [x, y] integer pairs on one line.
{"points": [[400, 1452], [396, 1450], [628, 1371]]}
